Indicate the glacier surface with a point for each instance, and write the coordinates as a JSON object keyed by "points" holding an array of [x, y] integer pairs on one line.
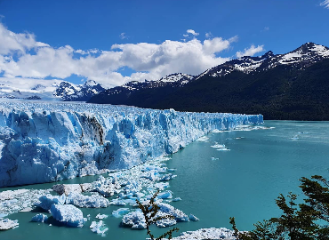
{"points": [[47, 142]]}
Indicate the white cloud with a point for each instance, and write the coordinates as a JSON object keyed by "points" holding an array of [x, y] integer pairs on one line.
{"points": [[191, 31], [208, 35], [149, 60], [123, 35], [325, 4], [250, 51]]}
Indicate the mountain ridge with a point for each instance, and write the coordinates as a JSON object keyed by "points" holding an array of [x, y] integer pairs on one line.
{"points": [[245, 85]]}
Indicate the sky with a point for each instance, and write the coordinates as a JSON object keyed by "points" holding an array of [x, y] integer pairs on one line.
{"points": [[113, 42]]}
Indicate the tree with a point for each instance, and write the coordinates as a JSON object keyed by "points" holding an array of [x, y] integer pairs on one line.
{"points": [[298, 221], [150, 211]]}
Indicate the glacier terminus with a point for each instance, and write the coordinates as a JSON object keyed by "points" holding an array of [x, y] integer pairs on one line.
{"points": [[48, 142]]}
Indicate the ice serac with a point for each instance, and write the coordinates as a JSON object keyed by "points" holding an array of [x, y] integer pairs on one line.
{"points": [[47, 142]]}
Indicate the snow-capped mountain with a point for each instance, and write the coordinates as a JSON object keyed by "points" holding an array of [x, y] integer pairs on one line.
{"points": [[70, 92], [172, 80], [300, 58]]}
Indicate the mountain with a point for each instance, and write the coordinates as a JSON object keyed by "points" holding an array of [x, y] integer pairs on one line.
{"points": [[70, 92], [292, 86]]}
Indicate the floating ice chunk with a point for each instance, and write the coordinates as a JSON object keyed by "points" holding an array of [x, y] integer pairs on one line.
{"points": [[123, 202], [67, 188], [170, 210], [168, 177], [20, 200], [165, 195], [218, 146], [171, 170], [166, 222], [161, 185], [217, 131], [214, 158], [120, 212], [87, 201], [101, 216], [2, 215], [207, 233], [98, 227], [223, 149], [193, 218], [176, 199], [203, 139], [9, 194], [6, 224], [48, 200], [40, 218], [134, 219], [68, 214]]}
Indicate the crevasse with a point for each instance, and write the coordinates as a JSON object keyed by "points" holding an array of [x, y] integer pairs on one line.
{"points": [[46, 142]]}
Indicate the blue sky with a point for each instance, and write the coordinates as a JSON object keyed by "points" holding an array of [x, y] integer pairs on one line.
{"points": [[114, 42]]}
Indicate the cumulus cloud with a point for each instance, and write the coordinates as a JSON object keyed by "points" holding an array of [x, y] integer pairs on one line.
{"points": [[250, 51], [22, 57], [208, 35], [325, 4], [191, 31]]}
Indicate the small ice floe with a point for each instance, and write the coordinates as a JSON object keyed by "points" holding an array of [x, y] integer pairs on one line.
{"points": [[93, 200], [98, 227], [193, 218], [239, 138], [223, 149], [203, 139], [296, 137], [40, 218], [101, 216], [214, 158], [216, 145], [120, 212], [6, 224], [134, 219], [165, 195], [177, 199]]}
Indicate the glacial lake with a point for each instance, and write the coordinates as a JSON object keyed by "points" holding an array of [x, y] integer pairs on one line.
{"points": [[215, 185]]}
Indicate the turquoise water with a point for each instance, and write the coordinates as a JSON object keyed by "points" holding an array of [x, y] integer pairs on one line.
{"points": [[242, 182]]}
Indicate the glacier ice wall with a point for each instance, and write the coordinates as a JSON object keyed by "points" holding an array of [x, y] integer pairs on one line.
{"points": [[46, 142]]}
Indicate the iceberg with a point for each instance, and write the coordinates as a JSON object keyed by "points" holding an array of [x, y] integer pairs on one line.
{"points": [[40, 218], [68, 215], [48, 200], [193, 218], [87, 201], [48, 142], [6, 224], [134, 219]]}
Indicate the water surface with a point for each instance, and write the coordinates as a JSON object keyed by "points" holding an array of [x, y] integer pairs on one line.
{"points": [[242, 182]]}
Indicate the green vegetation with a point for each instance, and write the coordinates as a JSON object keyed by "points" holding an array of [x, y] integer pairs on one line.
{"points": [[150, 211], [306, 221], [281, 93]]}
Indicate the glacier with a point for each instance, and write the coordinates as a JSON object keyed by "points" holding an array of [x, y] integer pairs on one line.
{"points": [[47, 142]]}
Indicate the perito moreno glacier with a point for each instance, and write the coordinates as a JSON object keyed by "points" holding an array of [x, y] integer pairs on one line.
{"points": [[47, 142]]}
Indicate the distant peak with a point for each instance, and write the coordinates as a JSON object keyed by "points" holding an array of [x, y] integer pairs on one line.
{"points": [[90, 83], [268, 54]]}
